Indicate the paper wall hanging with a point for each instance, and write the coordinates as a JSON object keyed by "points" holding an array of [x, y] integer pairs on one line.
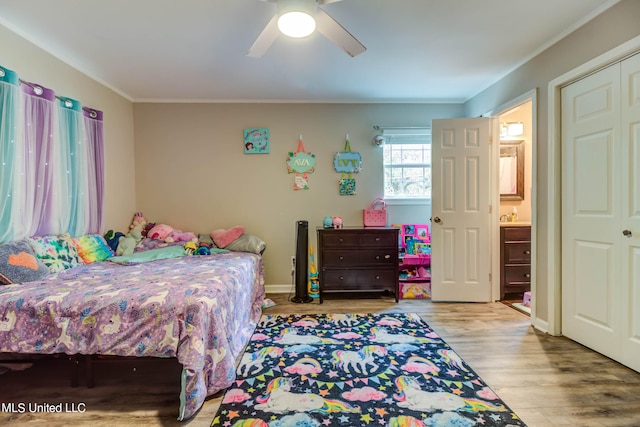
{"points": [[347, 163], [256, 141], [301, 163]]}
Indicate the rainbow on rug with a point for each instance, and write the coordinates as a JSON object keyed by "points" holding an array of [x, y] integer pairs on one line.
{"points": [[356, 370]]}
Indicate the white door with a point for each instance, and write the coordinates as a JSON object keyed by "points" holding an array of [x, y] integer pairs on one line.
{"points": [[591, 209], [630, 169], [460, 225], [601, 211]]}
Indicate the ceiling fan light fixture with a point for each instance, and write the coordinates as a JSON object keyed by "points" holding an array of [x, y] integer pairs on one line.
{"points": [[296, 24]]}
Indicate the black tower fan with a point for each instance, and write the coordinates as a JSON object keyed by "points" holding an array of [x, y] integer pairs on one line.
{"points": [[302, 262]]}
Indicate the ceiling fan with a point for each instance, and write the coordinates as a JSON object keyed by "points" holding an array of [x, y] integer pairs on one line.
{"points": [[306, 10]]}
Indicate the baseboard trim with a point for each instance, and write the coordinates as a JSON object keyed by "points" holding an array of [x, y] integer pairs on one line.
{"points": [[279, 288]]}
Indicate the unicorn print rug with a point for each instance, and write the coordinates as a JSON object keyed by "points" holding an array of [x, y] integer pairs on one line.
{"points": [[356, 370]]}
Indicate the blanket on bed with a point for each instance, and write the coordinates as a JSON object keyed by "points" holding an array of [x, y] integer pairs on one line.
{"points": [[201, 310]]}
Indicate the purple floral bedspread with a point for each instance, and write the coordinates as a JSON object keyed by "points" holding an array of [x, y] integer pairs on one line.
{"points": [[200, 309]]}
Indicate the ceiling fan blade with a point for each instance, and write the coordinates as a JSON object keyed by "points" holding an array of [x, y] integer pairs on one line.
{"points": [[265, 39], [321, 2], [337, 34]]}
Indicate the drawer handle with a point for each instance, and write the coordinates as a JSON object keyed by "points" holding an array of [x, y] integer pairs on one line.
{"points": [[527, 275], [377, 277], [387, 256], [341, 277], [340, 240], [527, 252], [341, 258], [377, 256], [378, 239]]}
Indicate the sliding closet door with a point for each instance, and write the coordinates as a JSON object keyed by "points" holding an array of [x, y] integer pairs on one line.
{"points": [[601, 211]]}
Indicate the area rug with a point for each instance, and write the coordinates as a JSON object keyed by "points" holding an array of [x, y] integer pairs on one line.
{"points": [[356, 370]]}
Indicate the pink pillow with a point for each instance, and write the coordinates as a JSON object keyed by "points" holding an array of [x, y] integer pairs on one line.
{"points": [[223, 237]]}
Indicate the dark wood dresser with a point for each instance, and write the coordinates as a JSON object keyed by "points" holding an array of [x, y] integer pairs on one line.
{"points": [[515, 260], [358, 259]]}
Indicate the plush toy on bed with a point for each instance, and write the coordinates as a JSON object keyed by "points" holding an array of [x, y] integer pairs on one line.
{"points": [[113, 238], [189, 248], [128, 243], [139, 223], [169, 234]]}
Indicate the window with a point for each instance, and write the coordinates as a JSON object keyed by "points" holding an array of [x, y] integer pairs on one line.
{"points": [[407, 163]]}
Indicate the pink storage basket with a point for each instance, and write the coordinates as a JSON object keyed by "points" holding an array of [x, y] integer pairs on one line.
{"points": [[376, 214]]}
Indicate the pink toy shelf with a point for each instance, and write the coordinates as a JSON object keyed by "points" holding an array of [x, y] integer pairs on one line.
{"points": [[415, 259]]}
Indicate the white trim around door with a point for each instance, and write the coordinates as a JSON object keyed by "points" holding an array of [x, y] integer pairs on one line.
{"points": [[553, 211]]}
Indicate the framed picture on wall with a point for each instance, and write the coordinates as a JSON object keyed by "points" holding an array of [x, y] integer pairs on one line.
{"points": [[256, 141]]}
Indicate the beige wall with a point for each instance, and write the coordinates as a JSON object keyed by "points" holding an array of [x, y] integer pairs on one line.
{"points": [[35, 65], [608, 30], [192, 173]]}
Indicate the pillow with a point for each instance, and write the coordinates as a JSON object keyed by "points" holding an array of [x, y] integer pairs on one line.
{"points": [[19, 264], [150, 255], [92, 248], [248, 243], [57, 251], [222, 237]]}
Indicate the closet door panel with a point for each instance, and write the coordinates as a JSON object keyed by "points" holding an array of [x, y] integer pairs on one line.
{"points": [[590, 211], [630, 218]]}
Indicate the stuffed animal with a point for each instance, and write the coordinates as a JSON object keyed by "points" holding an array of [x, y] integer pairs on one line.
{"points": [[337, 222], [169, 234], [138, 223], [113, 238], [128, 243], [148, 227], [189, 248], [327, 222]]}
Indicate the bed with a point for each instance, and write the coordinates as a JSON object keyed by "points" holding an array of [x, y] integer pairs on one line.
{"points": [[199, 309]]}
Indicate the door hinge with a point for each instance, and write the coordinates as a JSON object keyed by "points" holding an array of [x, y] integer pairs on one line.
{"points": [[490, 278], [490, 140], [490, 208]]}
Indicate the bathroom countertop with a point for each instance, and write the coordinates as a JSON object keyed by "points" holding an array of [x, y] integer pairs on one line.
{"points": [[514, 223]]}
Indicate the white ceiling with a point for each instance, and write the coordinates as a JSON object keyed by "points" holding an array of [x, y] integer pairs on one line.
{"points": [[417, 50]]}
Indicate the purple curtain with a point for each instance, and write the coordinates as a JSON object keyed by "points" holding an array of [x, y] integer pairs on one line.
{"points": [[95, 159], [39, 162]]}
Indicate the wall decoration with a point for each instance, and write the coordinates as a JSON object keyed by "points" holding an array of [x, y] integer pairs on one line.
{"points": [[256, 141], [347, 163], [301, 163]]}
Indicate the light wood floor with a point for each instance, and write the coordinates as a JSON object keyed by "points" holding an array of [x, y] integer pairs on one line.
{"points": [[547, 381]]}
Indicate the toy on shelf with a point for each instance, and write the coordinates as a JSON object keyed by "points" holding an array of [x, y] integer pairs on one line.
{"points": [[415, 260]]}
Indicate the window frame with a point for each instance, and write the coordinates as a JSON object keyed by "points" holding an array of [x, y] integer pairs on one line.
{"points": [[406, 136]]}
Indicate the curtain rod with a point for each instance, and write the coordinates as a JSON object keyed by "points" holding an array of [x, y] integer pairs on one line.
{"points": [[377, 127], [38, 90]]}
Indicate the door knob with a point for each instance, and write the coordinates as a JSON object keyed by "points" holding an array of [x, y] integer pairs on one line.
{"points": [[627, 233], [437, 220]]}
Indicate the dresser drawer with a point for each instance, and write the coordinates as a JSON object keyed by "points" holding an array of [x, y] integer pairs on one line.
{"points": [[349, 279], [517, 234], [517, 274], [356, 259], [339, 239], [362, 257], [517, 253]]}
